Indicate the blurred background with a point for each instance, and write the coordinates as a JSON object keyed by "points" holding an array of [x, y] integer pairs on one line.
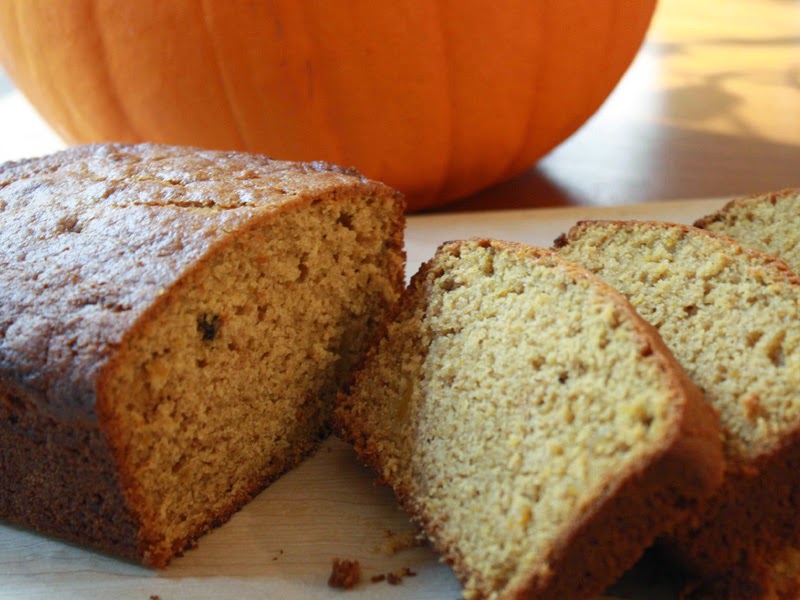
{"points": [[709, 108]]}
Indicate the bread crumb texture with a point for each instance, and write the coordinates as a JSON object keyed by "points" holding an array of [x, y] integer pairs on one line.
{"points": [[767, 223], [511, 396], [193, 313], [730, 316]]}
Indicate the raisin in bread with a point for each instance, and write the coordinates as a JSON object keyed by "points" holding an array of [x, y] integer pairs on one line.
{"points": [[731, 315], [530, 421], [174, 325]]}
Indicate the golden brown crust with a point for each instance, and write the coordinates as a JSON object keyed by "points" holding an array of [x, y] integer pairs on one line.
{"points": [[745, 526], [114, 226], [94, 240], [59, 478], [634, 510]]}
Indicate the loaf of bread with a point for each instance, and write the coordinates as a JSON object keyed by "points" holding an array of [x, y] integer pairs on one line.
{"points": [[732, 317], [174, 325], [533, 424]]}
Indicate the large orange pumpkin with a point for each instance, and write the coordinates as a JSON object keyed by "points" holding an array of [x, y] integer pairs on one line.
{"points": [[439, 98]]}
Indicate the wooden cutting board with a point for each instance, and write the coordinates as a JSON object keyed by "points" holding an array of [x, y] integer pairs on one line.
{"points": [[281, 545]]}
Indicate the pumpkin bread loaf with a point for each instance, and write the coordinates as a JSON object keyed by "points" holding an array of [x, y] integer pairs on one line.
{"points": [[174, 325], [732, 317], [530, 421]]}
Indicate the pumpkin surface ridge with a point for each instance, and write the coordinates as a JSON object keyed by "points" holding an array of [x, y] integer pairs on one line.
{"points": [[37, 68], [449, 99], [232, 104], [356, 83], [512, 167], [107, 73]]}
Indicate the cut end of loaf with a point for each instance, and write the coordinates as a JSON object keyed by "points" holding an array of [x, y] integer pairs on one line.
{"points": [[513, 397], [228, 380], [729, 315], [732, 316]]}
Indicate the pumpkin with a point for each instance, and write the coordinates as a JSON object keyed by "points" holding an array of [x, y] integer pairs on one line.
{"points": [[439, 98]]}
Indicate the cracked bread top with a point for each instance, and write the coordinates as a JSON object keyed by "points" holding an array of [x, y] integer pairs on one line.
{"points": [[92, 236]]}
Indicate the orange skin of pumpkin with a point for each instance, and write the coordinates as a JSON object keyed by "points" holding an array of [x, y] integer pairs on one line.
{"points": [[439, 98]]}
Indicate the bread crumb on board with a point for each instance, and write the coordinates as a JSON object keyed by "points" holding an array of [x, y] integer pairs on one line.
{"points": [[394, 577], [397, 541], [345, 574]]}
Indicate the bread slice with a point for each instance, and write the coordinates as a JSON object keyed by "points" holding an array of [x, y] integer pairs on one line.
{"points": [[732, 317], [174, 325], [767, 222], [770, 223], [530, 421]]}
